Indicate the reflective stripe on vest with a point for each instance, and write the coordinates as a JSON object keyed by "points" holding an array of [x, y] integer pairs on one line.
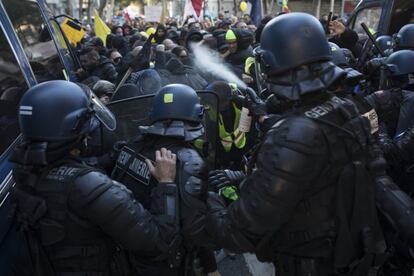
{"points": [[236, 137]]}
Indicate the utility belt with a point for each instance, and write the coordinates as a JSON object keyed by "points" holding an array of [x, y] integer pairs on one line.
{"points": [[83, 274], [90, 260], [288, 265]]}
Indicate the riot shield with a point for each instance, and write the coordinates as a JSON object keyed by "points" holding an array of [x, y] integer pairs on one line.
{"points": [[134, 112]]}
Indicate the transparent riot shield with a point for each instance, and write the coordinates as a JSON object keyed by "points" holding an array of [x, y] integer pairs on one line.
{"points": [[134, 112]]}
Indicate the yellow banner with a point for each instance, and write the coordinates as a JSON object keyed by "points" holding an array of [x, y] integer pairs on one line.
{"points": [[101, 30], [73, 31]]}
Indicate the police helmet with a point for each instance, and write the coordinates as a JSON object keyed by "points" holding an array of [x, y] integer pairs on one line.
{"points": [[405, 38], [384, 42], [342, 57], [176, 102], [59, 111], [224, 93], [338, 56], [291, 40], [401, 63]]}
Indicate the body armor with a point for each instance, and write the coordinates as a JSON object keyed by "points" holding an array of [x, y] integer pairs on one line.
{"points": [[290, 199], [78, 213], [131, 170], [73, 244]]}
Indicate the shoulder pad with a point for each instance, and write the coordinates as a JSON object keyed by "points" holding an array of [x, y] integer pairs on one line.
{"points": [[191, 160], [89, 186], [301, 131]]}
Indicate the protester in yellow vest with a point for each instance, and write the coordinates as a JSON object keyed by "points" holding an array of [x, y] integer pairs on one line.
{"points": [[232, 142]]}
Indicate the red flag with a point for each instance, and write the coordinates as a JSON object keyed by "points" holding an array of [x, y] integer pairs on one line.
{"points": [[197, 5], [127, 18]]}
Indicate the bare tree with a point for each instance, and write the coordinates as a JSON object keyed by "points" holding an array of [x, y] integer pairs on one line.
{"points": [[80, 9], [111, 10], [101, 7], [219, 5], [69, 8], [265, 7], [89, 10], [316, 7]]}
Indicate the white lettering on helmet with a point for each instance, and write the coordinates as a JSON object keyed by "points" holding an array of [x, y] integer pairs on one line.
{"points": [[26, 110]]}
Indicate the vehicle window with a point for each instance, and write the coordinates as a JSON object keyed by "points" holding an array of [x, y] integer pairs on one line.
{"points": [[12, 87], [402, 14], [36, 39], [62, 42], [369, 16]]}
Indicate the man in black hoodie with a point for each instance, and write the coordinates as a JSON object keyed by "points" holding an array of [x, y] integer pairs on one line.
{"points": [[160, 34], [239, 49], [95, 65]]}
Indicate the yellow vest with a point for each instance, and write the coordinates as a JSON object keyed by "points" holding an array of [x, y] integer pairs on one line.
{"points": [[236, 137]]}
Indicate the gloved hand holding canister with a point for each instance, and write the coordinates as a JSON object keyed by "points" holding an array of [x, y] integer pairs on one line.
{"points": [[219, 179]]}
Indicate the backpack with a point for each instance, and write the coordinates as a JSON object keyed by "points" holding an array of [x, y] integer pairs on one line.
{"points": [[27, 211], [21, 252], [359, 244]]}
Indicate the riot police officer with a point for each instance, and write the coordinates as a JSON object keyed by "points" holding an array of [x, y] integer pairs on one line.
{"points": [[82, 219], [176, 122], [404, 39], [308, 202], [395, 108], [395, 105]]}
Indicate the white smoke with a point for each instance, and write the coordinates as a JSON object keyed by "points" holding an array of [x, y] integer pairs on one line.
{"points": [[209, 61]]}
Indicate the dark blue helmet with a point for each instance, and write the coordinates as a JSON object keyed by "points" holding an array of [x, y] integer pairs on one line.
{"points": [[291, 40], [60, 111], [405, 38], [177, 102], [338, 55], [342, 57], [401, 63], [384, 42]]}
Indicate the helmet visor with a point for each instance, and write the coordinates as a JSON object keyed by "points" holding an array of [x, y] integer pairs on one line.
{"points": [[102, 113]]}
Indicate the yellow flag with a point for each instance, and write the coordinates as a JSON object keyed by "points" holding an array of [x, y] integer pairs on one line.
{"points": [[73, 31], [101, 30]]}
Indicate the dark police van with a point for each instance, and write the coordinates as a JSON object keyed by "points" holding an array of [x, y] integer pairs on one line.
{"points": [[383, 17], [33, 49]]}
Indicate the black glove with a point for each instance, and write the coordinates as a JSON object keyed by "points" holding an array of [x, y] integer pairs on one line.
{"points": [[391, 149], [254, 103], [219, 179], [142, 60], [405, 143], [251, 101], [374, 64]]}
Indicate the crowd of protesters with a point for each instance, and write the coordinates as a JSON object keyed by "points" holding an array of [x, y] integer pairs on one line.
{"points": [[168, 56]]}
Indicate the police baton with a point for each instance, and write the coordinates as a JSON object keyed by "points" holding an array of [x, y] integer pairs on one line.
{"points": [[124, 78], [367, 47], [137, 61], [371, 37]]}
